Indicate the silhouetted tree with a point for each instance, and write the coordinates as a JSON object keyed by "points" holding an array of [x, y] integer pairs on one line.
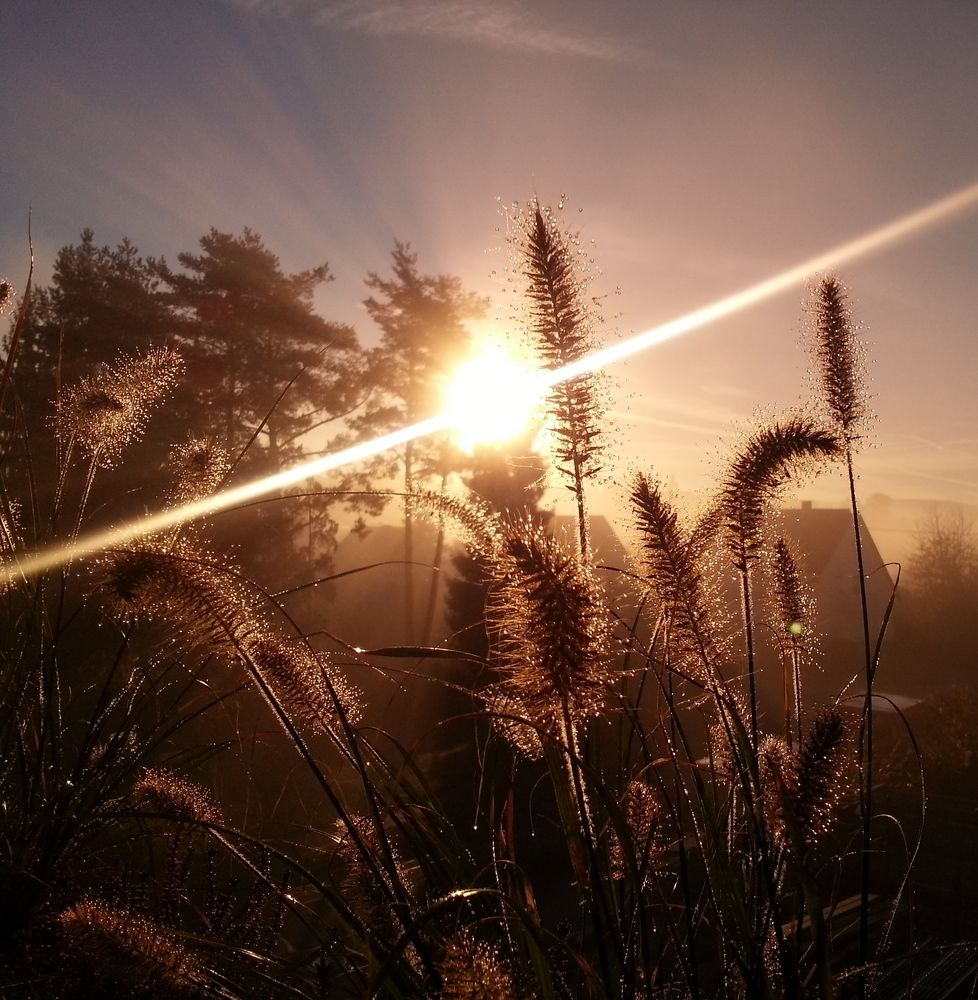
{"points": [[102, 302], [267, 369], [941, 600], [423, 338], [247, 329]]}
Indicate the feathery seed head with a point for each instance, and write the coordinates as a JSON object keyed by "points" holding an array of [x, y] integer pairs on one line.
{"points": [[109, 409], [181, 585], [507, 713], [821, 767], [837, 355], [668, 565], [303, 681], [130, 949], [174, 796], [642, 811], [766, 461], [472, 970], [778, 766], [793, 602], [199, 466], [551, 627], [562, 331], [366, 887], [479, 525]]}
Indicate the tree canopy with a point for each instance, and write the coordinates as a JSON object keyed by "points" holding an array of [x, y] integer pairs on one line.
{"points": [[248, 329], [262, 369]]}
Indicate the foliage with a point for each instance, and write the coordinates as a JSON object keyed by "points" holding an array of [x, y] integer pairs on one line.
{"points": [[663, 841], [248, 329], [260, 364], [942, 574], [423, 339], [508, 480]]}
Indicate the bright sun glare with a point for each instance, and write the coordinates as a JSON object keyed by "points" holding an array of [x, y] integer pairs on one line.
{"points": [[491, 392], [491, 399]]}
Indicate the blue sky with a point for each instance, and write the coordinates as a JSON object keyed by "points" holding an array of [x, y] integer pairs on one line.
{"points": [[701, 145]]}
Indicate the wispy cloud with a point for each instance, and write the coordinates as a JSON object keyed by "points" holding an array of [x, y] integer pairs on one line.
{"points": [[486, 23]]}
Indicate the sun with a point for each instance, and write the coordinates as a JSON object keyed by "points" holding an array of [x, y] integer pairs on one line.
{"points": [[491, 399]]}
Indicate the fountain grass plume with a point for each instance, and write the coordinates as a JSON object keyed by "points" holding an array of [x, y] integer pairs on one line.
{"points": [[561, 328], [821, 768], [199, 466], [108, 410], [837, 353], [471, 969], [551, 628], [130, 950], [793, 617], [760, 468], [303, 681], [183, 584], [176, 796], [756, 475], [644, 822], [668, 566]]}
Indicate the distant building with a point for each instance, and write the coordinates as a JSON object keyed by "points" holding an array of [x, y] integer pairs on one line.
{"points": [[823, 538]]}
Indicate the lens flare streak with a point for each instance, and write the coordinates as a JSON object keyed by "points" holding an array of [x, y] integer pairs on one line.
{"points": [[941, 211]]}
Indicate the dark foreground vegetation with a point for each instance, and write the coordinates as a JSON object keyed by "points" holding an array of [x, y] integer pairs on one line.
{"points": [[197, 800]]}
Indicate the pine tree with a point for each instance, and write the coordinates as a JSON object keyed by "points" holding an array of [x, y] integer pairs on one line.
{"points": [[248, 329], [423, 339], [103, 302], [265, 370]]}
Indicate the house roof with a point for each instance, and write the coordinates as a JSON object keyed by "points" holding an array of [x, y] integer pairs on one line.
{"points": [[818, 533]]}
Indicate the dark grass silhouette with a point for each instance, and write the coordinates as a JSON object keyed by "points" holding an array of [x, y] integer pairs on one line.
{"points": [[694, 846]]}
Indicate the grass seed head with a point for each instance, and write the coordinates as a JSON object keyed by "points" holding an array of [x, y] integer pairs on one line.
{"points": [[778, 766], [106, 411], [551, 628], [472, 970], [131, 950], [837, 353], [821, 770], [667, 562], [302, 680], [561, 327], [172, 795], [199, 466], [768, 459], [643, 812], [793, 601], [507, 712], [181, 585]]}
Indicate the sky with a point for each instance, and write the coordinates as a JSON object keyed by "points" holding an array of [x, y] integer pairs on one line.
{"points": [[701, 145]]}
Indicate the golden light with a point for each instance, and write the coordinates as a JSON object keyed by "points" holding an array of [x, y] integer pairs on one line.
{"points": [[507, 390], [492, 399]]}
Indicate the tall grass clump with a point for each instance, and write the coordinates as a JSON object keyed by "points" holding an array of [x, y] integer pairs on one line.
{"points": [[837, 356], [625, 817]]}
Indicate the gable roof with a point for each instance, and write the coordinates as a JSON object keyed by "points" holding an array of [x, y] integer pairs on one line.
{"points": [[819, 532]]}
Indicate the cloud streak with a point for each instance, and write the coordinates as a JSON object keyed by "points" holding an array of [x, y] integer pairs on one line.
{"points": [[472, 22]]}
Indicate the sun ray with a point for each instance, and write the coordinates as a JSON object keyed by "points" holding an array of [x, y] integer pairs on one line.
{"points": [[938, 212]]}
